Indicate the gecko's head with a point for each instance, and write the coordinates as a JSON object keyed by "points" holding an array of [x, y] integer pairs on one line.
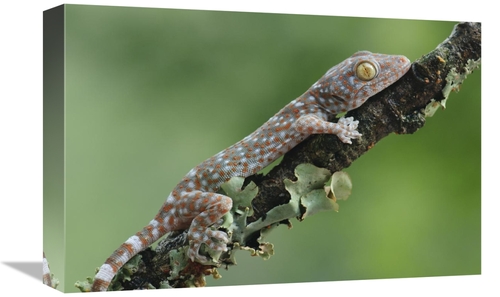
{"points": [[362, 75]]}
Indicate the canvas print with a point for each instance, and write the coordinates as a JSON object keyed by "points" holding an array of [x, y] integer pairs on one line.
{"points": [[179, 143]]}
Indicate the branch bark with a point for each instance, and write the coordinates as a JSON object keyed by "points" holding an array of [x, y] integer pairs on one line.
{"points": [[398, 109]]}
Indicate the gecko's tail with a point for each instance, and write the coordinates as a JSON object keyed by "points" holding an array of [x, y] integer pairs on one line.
{"points": [[135, 244], [46, 272]]}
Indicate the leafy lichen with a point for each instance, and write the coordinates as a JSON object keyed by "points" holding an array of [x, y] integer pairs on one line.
{"points": [[178, 261], [309, 195], [454, 80], [86, 285], [307, 192]]}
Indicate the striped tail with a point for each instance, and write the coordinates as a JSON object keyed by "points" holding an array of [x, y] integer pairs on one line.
{"points": [[46, 272], [135, 244]]}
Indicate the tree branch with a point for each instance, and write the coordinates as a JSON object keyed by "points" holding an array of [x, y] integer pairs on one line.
{"points": [[400, 109]]}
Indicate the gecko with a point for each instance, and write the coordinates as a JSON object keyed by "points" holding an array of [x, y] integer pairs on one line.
{"points": [[194, 203]]}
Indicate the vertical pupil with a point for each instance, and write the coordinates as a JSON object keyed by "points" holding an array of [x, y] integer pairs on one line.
{"points": [[366, 71]]}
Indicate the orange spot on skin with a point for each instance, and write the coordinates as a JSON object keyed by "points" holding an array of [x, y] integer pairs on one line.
{"points": [[197, 220], [162, 229], [159, 219], [128, 248], [286, 127], [167, 208], [99, 283]]}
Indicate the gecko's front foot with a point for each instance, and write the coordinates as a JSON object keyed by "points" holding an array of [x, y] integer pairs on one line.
{"points": [[348, 130]]}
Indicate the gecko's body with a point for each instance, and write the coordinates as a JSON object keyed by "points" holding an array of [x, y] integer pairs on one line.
{"points": [[194, 204]]}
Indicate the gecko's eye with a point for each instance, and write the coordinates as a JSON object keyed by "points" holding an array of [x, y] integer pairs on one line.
{"points": [[366, 70]]}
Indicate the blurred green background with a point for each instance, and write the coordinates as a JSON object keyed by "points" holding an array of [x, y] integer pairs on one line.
{"points": [[150, 93]]}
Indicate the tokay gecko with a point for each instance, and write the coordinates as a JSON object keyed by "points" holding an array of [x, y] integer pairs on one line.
{"points": [[194, 203]]}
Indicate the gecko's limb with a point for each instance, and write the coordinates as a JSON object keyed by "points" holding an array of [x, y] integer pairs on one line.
{"points": [[200, 231], [345, 128]]}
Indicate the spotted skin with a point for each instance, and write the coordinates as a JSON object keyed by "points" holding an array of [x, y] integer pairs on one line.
{"points": [[46, 272], [194, 204]]}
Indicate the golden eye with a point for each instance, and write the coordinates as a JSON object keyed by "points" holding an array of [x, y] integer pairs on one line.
{"points": [[366, 70]]}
